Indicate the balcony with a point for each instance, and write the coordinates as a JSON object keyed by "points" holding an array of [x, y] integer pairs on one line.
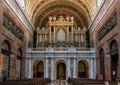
{"points": [[53, 49]]}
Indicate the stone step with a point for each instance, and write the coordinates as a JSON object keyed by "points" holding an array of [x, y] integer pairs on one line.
{"points": [[59, 82]]}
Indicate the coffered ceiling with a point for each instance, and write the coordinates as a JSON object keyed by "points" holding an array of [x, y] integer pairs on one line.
{"points": [[81, 10]]}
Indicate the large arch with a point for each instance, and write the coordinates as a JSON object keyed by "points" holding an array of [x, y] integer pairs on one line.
{"points": [[39, 11], [83, 71], [38, 69], [114, 59]]}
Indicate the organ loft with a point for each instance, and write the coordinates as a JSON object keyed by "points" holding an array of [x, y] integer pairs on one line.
{"points": [[61, 31]]}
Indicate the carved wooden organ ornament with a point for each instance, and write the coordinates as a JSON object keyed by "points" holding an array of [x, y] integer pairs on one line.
{"points": [[61, 31]]}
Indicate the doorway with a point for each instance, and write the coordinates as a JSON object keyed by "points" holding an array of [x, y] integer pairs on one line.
{"points": [[114, 60], [39, 69], [82, 69], [61, 71]]}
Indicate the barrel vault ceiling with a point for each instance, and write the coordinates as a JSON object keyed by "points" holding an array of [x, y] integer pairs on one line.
{"points": [[81, 10]]}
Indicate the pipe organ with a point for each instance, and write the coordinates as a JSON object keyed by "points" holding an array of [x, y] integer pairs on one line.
{"points": [[61, 32]]}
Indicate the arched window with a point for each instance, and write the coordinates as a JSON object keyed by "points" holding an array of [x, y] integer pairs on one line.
{"points": [[102, 70], [21, 2], [6, 48], [99, 2], [6, 51]]}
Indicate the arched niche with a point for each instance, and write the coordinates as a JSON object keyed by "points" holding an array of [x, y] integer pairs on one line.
{"points": [[83, 69], [114, 60], [60, 70], [38, 70], [6, 51]]}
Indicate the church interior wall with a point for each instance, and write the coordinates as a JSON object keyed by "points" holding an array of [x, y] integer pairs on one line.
{"points": [[106, 40], [61, 58], [15, 42], [103, 9]]}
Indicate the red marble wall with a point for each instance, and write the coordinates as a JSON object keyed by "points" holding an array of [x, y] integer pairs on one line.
{"points": [[114, 34], [15, 43]]}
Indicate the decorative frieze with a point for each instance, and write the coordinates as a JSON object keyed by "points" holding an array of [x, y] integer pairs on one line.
{"points": [[9, 25], [112, 22]]}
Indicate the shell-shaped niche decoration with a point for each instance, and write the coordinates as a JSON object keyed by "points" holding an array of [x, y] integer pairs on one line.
{"points": [[61, 35]]}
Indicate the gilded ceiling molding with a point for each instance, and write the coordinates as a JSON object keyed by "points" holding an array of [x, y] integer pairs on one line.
{"points": [[30, 5], [69, 10], [42, 18], [39, 7], [66, 5], [36, 8]]}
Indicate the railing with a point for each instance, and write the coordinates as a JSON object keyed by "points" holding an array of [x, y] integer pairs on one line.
{"points": [[60, 49]]}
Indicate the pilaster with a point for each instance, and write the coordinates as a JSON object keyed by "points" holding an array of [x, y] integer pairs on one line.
{"points": [[91, 69], [52, 69], [30, 68], [69, 72], [74, 70], [46, 68]]}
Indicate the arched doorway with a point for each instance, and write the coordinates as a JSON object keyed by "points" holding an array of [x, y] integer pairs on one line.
{"points": [[61, 70], [82, 69], [114, 60], [6, 51], [38, 69]]}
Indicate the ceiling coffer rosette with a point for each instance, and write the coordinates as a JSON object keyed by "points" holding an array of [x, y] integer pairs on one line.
{"points": [[81, 10]]}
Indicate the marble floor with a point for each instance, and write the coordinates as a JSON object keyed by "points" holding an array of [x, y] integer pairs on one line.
{"points": [[59, 82]]}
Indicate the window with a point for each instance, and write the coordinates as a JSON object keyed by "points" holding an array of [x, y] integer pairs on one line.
{"points": [[99, 2], [21, 2]]}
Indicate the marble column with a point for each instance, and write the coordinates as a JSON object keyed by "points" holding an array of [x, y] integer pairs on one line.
{"points": [[91, 69], [30, 68], [52, 69], [69, 71], [74, 68], [94, 69], [46, 68]]}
